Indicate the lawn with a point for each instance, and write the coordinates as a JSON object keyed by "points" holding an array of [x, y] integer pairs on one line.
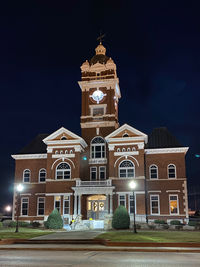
{"points": [[24, 233], [152, 236]]}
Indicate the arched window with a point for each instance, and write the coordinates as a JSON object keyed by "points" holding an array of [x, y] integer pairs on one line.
{"points": [[126, 169], [98, 148], [133, 149], [63, 138], [123, 149], [153, 172], [27, 176], [71, 151], [128, 149], [171, 171], [61, 152], [42, 175], [125, 135], [63, 171], [56, 152], [118, 150], [66, 152]]}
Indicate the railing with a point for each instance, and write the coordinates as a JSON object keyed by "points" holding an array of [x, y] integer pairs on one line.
{"points": [[94, 183]]}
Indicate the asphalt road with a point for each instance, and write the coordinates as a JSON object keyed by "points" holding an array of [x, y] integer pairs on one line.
{"points": [[68, 258]]}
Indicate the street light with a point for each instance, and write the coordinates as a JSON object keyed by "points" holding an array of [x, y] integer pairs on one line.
{"points": [[133, 186], [19, 189]]}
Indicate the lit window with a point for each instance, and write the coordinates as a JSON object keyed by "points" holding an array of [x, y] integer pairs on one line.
{"points": [[153, 169], [173, 203], [57, 201], [41, 202], [63, 171], [154, 202], [93, 173], [122, 200], [102, 173], [26, 176], [171, 171], [66, 204], [98, 148], [24, 207], [42, 175], [126, 169]]}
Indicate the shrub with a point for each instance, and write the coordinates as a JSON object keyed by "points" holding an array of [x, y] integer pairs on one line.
{"points": [[54, 220], [35, 224], [1, 224], [151, 226], [12, 224], [23, 224], [46, 225], [193, 223], [159, 221], [6, 223], [175, 222], [121, 218]]}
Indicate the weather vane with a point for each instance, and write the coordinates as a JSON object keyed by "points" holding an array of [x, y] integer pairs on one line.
{"points": [[100, 38]]}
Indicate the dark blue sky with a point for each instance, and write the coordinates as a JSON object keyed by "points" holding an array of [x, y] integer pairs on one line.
{"points": [[155, 44]]}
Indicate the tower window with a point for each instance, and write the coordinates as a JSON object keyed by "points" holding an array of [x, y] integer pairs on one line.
{"points": [[98, 111], [98, 148]]}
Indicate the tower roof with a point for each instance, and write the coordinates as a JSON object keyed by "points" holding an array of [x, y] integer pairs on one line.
{"points": [[100, 55]]}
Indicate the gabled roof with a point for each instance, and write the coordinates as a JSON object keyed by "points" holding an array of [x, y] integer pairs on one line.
{"points": [[162, 138], [128, 128], [36, 146]]}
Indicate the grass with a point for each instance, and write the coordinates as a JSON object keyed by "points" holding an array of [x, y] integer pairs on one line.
{"points": [[151, 236], [24, 233]]}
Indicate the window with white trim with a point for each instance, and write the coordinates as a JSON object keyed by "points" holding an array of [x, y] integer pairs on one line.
{"points": [[123, 149], [98, 148], [122, 200], [26, 176], [63, 171], [93, 173], [118, 150], [102, 172], [154, 204], [153, 172], [24, 206], [126, 169], [171, 171], [173, 204], [42, 175], [131, 203], [41, 206], [57, 201], [66, 205]]}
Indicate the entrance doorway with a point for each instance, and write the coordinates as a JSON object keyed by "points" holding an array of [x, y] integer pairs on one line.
{"points": [[96, 207]]}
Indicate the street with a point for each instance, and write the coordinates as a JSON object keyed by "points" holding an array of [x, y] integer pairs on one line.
{"points": [[94, 258]]}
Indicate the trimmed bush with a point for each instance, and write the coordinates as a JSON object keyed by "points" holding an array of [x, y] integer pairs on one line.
{"points": [[159, 221], [6, 223], [193, 223], [175, 222], [35, 224], [23, 224], [54, 220], [12, 224], [46, 225], [121, 218], [152, 226], [1, 224]]}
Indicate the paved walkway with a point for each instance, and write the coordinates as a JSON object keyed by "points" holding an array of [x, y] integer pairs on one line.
{"points": [[70, 235]]}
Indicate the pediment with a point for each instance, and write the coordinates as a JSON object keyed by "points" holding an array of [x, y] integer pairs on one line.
{"points": [[63, 136], [126, 132]]}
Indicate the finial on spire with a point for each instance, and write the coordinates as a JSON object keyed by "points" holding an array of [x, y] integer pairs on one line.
{"points": [[100, 38]]}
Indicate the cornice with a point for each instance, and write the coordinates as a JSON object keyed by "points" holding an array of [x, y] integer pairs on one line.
{"points": [[29, 156], [167, 150]]}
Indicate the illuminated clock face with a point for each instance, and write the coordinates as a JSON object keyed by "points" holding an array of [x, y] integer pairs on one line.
{"points": [[97, 96]]}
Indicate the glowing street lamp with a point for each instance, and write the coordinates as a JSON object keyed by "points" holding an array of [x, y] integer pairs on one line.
{"points": [[19, 189], [8, 208], [133, 186]]}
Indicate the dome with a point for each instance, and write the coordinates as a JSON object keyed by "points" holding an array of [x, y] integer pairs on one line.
{"points": [[85, 66], [100, 50]]}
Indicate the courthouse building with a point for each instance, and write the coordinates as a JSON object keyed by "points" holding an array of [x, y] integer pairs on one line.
{"points": [[89, 175]]}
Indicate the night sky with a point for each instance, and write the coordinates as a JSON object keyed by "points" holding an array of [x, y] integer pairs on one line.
{"points": [[155, 45]]}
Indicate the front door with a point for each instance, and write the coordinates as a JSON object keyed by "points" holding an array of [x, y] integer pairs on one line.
{"points": [[96, 207]]}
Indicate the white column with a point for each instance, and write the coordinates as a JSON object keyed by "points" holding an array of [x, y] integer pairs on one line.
{"points": [[107, 210], [75, 205], [79, 204], [111, 203]]}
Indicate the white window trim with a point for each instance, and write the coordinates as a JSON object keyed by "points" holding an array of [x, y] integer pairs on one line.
{"points": [[150, 172], [97, 144], [39, 175], [55, 202], [91, 173], [63, 169], [104, 171], [38, 207], [27, 207], [124, 168], [129, 206], [168, 171], [119, 199], [158, 204], [64, 204], [29, 176], [177, 205]]}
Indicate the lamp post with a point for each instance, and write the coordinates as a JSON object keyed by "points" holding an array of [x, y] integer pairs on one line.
{"points": [[19, 189], [133, 186]]}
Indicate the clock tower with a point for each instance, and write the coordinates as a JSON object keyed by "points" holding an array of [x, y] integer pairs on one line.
{"points": [[100, 95]]}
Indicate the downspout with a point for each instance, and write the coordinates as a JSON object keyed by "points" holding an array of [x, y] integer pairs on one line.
{"points": [[146, 189]]}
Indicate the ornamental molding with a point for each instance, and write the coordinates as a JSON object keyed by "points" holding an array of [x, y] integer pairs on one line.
{"points": [[30, 156], [98, 161], [91, 117], [93, 190], [60, 156], [58, 194], [98, 124], [167, 150], [126, 153]]}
